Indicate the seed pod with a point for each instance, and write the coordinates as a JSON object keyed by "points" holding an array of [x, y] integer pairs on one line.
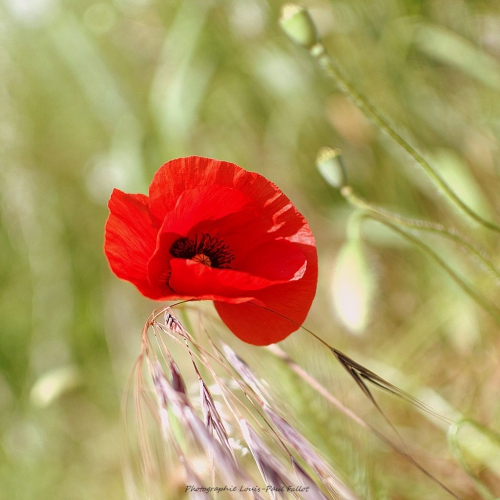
{"points": [[353, 287], [296, 22], [331, 167]]}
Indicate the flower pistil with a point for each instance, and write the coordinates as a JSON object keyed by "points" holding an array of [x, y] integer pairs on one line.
{"points": [[205, 249]]}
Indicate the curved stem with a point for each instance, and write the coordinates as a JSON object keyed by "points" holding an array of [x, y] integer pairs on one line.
{"points": [[456, 448], [348, 193], [491, 309], [327, 63]]}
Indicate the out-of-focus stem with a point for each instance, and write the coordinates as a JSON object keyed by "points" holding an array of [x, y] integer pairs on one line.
{"points": [[491, 309], [328, 64], [418, 225]]}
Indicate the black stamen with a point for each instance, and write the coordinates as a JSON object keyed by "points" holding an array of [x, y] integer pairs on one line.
{"points": [[218, 253]]}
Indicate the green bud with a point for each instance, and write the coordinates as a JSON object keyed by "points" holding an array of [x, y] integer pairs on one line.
{"points": [[353, 287], [296, 22], [54, 384], [331, 167]]}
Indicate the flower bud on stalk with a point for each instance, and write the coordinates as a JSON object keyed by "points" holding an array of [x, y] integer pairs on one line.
{"points": [[353, 287], [331, 167], [296, 22]]}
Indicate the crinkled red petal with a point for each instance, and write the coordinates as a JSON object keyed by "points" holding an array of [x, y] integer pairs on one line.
{"points": [[206, 203], [130, 239], [286, 307], [189, 277], [278, 260], [229, 215], [172, 277], [193, 172]]}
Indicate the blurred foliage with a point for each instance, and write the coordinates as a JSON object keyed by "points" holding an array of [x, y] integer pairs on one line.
{"points": [[96, 95]]}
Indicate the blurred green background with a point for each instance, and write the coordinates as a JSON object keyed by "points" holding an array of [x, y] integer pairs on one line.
{"points": [[98, 94]]}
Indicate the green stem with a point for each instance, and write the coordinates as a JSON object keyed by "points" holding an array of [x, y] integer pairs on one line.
{"points": [[327, 63], [456, 448], [418, 225], [491, 309]]}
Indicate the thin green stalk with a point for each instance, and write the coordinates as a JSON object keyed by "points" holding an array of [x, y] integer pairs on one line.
{"points": [[491, 309], [327, 63], [459, 453], [418, 225]]}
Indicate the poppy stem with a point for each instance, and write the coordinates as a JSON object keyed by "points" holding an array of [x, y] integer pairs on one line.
{"points": [[420, 225], [319, 52], [491, 309]]}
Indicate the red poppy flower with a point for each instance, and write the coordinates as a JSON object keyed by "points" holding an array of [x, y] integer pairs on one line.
{"points": [[211, 230]]}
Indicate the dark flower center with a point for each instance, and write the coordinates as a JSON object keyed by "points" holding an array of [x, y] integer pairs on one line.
{"points": [[205, 249]]}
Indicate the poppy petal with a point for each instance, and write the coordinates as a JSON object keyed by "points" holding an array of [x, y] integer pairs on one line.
{"points": [[286, 308], [204, 204], [210, 203], [183, 174], [199, 280], [277, 260], [130, 239], [177, 176], [254, 249]]}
